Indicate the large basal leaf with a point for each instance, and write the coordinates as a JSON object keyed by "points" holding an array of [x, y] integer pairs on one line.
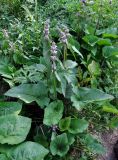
{"points": [[64, 123], [69, 64], [53, 113], [91, 95], [10, 108], [14, 129], [60, 146], [41, 139], [78, 126], [71, 138], [93, 145], [111, 33], [76, 103], [94, 68], [104, 42], [90, 39], [3, 157], [85, 95], [29, 92], [5, 148], [108, 32], [28, 151], [110, 51]]}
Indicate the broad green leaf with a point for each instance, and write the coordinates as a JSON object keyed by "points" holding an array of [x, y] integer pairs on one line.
{"points": [[60, 77], [73, 42], [108, 32], [68, 91], [5, 71], [76, 102], [78, 126], [40, 67], [94, 68], [94, 51], [74, 46], [3, 157], [53, 113], [14, 129], [29, 92], [28, 151], [90, 39], [41, 139], [5, 148], [63, 83], [10, 108], [104, 42], [110, 109], [93, 145], [70, 77], [114, 123], [70, 64], [44, 101], [71, 138], [89, 29], [64, 123], [59, 146], [87, 95], [109, 51], [20, 58], [77, 51], [111, 33]]}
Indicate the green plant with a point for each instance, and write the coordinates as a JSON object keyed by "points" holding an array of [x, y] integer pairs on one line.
{"points": [[59, 68]]}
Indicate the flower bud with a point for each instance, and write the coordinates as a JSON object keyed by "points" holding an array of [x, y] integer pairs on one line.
{"points": [[64, 34], [53, 58], [53, 48], [53, 67], [46, 29], [63, 37], [54, 128]]}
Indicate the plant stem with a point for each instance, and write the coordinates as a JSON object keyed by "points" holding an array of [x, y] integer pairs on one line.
{"points": [[54, 84], [65, 52]]}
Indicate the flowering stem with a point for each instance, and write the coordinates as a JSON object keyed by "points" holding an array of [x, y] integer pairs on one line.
{"points": [[65, 52], [55, 85]]}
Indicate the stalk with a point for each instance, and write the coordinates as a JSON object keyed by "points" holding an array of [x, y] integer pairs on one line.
{"points": [[65, 52], [55, 85]]}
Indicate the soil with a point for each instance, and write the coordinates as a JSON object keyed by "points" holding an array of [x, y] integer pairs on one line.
{"points": [[110, 142]]}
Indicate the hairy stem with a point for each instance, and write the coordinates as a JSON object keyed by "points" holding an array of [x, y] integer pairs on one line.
{"points": [[65, 52]]}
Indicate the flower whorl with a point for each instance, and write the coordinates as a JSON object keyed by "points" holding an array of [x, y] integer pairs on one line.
{"points": [[46, 29], [64, 35], [53, 56]]}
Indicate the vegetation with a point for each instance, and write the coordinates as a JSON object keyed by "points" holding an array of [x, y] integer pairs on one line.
{"points": [[58, 76]]}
